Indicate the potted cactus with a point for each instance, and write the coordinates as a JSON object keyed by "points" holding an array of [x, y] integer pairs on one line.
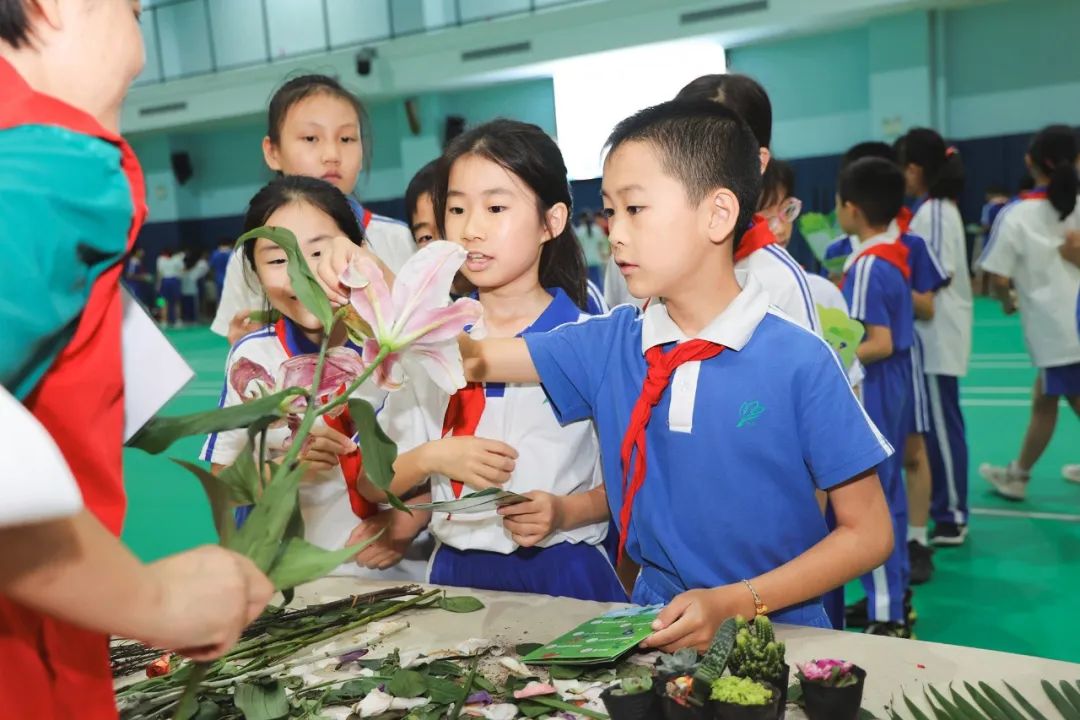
{"points": [[832, 689], [631, 699], [737, 698], [759, 656]]}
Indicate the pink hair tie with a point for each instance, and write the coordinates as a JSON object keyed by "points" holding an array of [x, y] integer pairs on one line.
{"points": [[950, 151]]}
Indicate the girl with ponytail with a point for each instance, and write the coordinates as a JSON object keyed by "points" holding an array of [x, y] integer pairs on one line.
{"points": [[1024, 249], [934, 175]]}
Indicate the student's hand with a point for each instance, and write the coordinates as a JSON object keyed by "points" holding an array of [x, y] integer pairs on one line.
{"points": [[200, 601], [1070, 250], [400, 530], [530, 522], [323, 446], [480, 463], [241, 325], [332, 262], [692, 618]]}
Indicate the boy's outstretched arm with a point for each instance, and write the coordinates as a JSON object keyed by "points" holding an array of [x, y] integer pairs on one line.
{"points": [[877, 345], [497, 360], [863, 538]]}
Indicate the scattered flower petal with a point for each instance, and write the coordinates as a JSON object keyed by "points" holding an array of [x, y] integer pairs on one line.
{"points": [[534, 689]]}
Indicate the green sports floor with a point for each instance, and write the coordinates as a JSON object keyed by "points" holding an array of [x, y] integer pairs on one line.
{"points": [[1015, 585]]}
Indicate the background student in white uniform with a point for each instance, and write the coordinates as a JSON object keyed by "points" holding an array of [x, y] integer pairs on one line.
{"points": [[530, 276], [934, 173], [315, 127], [1025, 247]]}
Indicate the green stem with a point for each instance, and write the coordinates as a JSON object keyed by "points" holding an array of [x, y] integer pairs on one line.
{"points": [[310, 414], [456, 712], [191, 690]]}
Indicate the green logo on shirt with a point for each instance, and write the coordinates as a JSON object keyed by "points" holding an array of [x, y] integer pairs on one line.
{"points": [[749, 412]]}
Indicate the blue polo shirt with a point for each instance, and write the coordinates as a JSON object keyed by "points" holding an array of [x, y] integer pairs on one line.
{"points": [[927, 274], [736, 446]]}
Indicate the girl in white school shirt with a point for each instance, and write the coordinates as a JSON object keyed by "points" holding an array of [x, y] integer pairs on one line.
{"points": [[502, 194], [315, 127], [934, 173], [1025, 247]]}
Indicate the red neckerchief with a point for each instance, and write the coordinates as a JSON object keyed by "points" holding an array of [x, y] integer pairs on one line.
{"points": [[1036, 194], [903, 219], [894, 253], [462, 416], [758, 236], [660, 367], [352, 464]]}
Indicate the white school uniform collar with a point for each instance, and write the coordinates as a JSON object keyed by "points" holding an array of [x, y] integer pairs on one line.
{"points": [[732, 328], [858, 247]]}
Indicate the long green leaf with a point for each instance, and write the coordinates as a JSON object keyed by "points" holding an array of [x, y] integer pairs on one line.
{"points": [[915, 711], [999, 700], [1071, 695], [939, 713], [966, 709], [992, 711], [1063, 706], [378, 449], [307, 288], [950, 708], [262, 702], [568, 707], [217, 494], [299, 561], [1028, 707], [160, 433], [261, 535]]}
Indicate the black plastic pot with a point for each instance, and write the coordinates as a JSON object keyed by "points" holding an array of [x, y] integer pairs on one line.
{"points": [[730, 711], [781, 682], [674, 710], [640, 706], [834, 703]]}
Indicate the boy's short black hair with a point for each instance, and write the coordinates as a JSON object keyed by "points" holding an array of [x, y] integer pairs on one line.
{"points": [[875, 186], [703, 145], [872, 148], [423, 181], [14, 23]]}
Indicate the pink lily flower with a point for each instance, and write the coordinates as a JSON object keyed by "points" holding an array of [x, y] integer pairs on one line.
{"points": [[414, 321]]}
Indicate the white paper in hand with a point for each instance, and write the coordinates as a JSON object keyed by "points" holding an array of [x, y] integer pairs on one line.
{"points": [[153, 370]]}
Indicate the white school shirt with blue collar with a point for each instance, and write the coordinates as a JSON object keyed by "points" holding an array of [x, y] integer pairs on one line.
{"points": [[946, 338], [785, 282], [1025, 245], [736, 446], [562, 460], [324, 502], [390, 240]]}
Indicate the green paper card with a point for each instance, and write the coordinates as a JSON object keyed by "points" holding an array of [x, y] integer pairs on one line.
{"points": [[841, 332], [601, 640], [835, 266], [490, 499]]}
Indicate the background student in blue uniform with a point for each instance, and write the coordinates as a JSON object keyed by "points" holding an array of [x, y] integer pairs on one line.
{"points": [[877, 288], [501, 193], [721, 416], [927, 277]]}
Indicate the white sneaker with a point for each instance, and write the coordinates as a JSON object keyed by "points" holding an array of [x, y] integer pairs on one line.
{"points": [[1008, 481], [1071, 473]]}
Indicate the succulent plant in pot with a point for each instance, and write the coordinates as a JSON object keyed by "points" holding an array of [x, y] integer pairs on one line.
{"points": [[738, 698], [758, 655], [631, 699], [832, 689]]}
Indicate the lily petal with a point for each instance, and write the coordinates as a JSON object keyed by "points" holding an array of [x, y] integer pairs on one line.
{"points": [[389, 375], [373, 302], [425, 280], [432, 325], [243, 372], [439, 361]]}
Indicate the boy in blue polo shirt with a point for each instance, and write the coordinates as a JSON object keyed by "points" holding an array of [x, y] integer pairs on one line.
{"points": [[877, 287], [927, 277], [718, 417]]}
